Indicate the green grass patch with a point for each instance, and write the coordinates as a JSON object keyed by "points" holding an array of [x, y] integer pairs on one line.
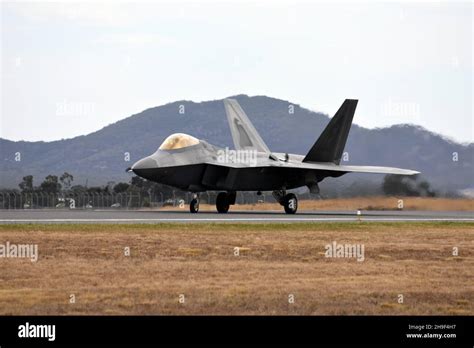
{"points": [[227, 227]]}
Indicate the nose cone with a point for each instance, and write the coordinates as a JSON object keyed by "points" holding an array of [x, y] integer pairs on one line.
{"points": [[143, 165]]}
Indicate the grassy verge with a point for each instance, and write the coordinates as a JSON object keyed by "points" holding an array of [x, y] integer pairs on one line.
{"points": [[219, 226], [274, 261]]}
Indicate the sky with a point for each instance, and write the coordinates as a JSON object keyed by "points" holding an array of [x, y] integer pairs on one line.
{"points": [[71, 68]]}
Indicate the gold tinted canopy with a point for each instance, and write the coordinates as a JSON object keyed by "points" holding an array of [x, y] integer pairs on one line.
{"points": [[178, 141]]}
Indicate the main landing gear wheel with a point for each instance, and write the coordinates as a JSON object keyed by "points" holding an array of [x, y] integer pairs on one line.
{"points": [[222, 203], [194, 205], [290, 203]]}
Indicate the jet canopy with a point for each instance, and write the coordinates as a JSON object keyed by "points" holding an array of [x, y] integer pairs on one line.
{"points": [[178, 141]]}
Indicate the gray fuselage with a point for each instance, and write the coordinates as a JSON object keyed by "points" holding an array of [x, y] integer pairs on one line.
{"points": [[204, 167]]}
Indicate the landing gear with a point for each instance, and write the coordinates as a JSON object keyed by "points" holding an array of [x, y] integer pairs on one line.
{"points": [[288, 201], [224, 200], [194, 205], [221, 203]]}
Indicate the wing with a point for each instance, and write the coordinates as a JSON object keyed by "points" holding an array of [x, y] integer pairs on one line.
{"points": [[265, 163], [244, 134], [347, 169]]}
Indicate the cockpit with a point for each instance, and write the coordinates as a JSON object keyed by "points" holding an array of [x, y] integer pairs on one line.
{"points": [[178, 141]]}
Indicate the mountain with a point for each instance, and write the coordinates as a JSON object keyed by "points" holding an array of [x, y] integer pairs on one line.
{"points": [[99, 157]]}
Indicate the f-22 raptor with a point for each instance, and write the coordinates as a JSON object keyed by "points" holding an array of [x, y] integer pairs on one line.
{"points": [[194, 165]]}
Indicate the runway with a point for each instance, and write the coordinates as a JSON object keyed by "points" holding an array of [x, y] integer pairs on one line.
{"points": [[183, 216]]}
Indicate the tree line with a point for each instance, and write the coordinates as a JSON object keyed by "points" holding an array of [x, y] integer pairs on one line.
{"points": [[392, 185], [64, 184]]}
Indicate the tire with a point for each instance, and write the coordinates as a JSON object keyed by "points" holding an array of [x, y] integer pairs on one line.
{"points": [[290, 203], [222, 203], [194, 206]]}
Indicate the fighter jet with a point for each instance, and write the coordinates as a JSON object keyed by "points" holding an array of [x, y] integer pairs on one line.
{"points": [[194, 165]]}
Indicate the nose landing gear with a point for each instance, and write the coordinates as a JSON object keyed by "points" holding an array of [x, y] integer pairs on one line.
{"points": [[194, 205]]}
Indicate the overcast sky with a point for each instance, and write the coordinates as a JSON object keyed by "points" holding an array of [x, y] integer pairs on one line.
{"points": [[69, 69]]}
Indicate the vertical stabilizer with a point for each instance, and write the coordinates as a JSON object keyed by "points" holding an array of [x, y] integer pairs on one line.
{"points": [[244, 134], [330, 144]]}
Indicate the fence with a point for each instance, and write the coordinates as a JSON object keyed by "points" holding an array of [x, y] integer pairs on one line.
{"points": [[128, 200]]}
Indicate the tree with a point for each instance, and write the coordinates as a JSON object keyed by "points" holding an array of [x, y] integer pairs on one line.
{"points": [[95, 189], [78, 189], [27, 184], [400, 185], [137, 181], [50, 184], [424, 188], [121, 187], [66, 180], [109, 187]]}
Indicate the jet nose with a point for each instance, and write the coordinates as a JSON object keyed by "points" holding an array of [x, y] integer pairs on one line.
{"points": [[145, 163]]}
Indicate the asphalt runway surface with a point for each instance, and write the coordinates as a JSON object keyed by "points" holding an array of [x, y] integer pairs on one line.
{"points": [[183, 216]]}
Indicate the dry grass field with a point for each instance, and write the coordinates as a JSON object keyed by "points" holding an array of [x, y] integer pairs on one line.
{"points": [[197, 260], [362, 203]]}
